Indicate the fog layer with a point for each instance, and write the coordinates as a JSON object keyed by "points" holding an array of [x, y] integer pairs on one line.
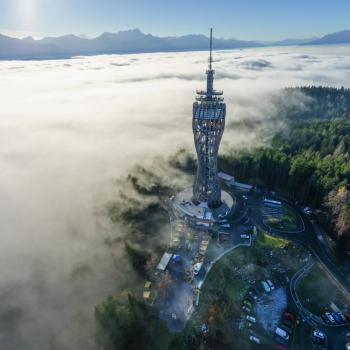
{"points": [[69, 128]]}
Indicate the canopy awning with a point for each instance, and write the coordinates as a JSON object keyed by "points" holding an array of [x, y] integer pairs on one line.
{"points": [[164, 261]]}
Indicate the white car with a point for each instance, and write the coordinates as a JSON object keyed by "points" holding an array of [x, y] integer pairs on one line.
{"points": [[197, 268], [251, 319], [266, 287], [272, 287], [307, 210], [282, 333], [225, 225], [245, 236], [318, 334], [330, 317], [254, 339]]}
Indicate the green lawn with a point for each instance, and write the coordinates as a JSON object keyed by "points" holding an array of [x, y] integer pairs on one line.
{"points": [[290, 220], [265, 239], [317, 291]]}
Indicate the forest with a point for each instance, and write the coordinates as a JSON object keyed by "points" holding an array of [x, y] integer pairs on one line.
{"points": [[321, 103], [305, 164], [309, 162]]}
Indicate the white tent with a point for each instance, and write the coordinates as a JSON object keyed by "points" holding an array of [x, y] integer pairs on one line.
{"points": [[164, 261]]}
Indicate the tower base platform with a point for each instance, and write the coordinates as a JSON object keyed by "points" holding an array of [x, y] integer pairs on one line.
{"points": [[201, 212]]}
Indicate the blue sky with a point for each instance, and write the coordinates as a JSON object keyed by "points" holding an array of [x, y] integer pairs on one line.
{"points": [[244, 19]]}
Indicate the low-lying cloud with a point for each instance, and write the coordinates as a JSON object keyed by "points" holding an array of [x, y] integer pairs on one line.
{"points": [[258, 64], [69, 128]]}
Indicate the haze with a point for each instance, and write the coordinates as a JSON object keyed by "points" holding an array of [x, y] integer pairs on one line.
{"points": [[70, 128]]}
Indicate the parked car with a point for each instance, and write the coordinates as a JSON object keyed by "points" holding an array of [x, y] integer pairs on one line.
{"points": [[289, 315], [330, 317], [252, 294], [254, 339], [266, 287], [337, 318], [347, 336], [347, 315], [246, 309], [244, 236], [251, 319], [204, 328], [247, 303], [256, 290], [319, 337], [325, 319], [344, 319], [288, 323], [282, 333], [307, 210], [197, 268], [286, 328], [280, 347], [270, 284], [281, 341]]}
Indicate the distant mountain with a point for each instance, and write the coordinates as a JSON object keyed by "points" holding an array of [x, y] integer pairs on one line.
{"points": [[201, 42], [134, 41], [25, 48], [289, 42], [342, 37], [129, 41]]}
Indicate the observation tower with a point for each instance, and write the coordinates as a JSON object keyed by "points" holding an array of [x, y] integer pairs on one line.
{"points": [[205, 202], [208, 125]]}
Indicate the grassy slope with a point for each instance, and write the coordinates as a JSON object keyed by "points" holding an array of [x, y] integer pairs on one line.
{"points": [[316, 291]]}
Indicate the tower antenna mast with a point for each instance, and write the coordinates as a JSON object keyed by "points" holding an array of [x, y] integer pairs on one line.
{"points": [[211, 47]]}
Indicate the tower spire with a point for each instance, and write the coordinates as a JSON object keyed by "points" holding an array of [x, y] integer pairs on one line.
{"points": [[210, 94], [211, 47], [210, 71]]}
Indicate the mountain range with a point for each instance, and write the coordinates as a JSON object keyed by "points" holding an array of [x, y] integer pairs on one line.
{"points": [[342, 37], [134, 41]]}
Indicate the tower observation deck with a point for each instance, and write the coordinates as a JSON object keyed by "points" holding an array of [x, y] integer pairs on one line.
{"points": [[208, 125]]}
